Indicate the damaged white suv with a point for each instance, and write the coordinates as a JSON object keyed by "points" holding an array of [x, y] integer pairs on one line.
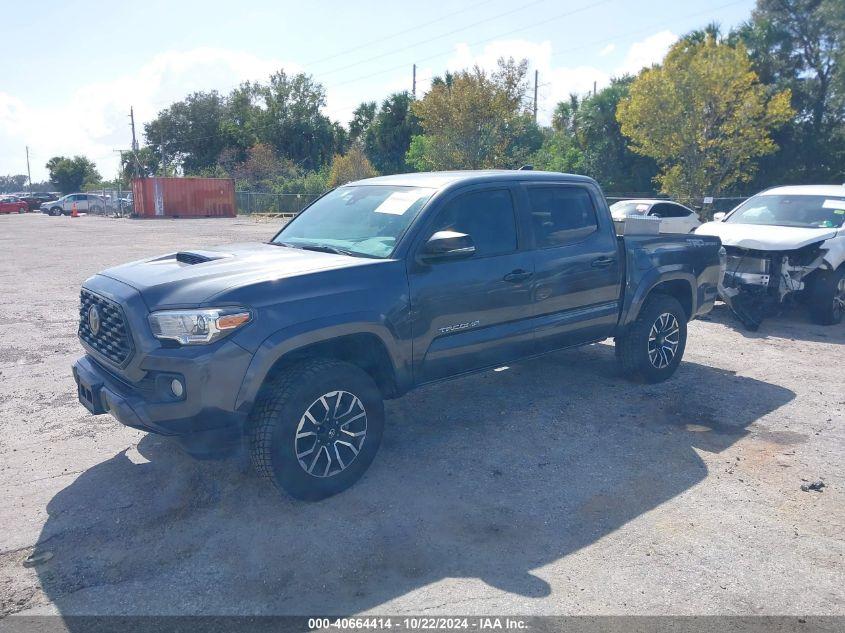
{"points": [[786, 243]]}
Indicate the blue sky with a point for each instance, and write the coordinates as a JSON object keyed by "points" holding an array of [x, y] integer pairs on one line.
{"points": [[71, 69]]}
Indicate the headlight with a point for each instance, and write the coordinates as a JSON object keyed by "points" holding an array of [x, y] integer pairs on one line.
{"points": [[197, 327]]}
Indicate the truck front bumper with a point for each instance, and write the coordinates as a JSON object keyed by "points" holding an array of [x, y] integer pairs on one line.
{"points": [[202, 418]]}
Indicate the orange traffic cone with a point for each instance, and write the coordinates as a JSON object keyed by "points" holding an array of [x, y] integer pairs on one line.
{"points": [[73, 212]]}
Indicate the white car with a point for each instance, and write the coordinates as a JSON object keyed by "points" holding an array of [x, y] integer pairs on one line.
{"points": [[674, 217], [784, 243], [85, 202]]}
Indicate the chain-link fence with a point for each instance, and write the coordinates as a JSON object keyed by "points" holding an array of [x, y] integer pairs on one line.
{"points": [[285, 204], [115, 201]]}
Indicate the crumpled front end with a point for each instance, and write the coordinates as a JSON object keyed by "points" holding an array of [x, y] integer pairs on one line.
{"points": [[756, 282]]}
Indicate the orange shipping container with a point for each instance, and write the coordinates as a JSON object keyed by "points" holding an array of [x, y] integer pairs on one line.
{"points": [[184, 197]]}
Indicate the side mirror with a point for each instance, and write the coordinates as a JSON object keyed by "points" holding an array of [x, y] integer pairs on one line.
{"points": [[447, 245], [718, 217]]}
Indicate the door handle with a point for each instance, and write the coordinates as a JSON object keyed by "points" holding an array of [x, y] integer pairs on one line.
{"points": [[603, 262], [515, 276]]}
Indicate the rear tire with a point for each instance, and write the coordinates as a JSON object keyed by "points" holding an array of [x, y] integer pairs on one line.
{"points": [[316, 428], [827, 296], [651, 348]]}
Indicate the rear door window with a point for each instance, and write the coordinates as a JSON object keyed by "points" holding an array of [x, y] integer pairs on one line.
{"points": [[561, 215]]}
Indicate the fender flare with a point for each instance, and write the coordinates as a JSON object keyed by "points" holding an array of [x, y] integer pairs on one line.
{"points": [[288, 340], [650, 280]]}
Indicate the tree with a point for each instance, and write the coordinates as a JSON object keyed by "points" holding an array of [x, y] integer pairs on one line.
{"points": [[703, 116], [586, 139], [146, 162], [362, 117], [9, 184], [353, 165], [799, 45], [290, 120], [473, 120], [388, 137], [190, 131], [70, 174]]}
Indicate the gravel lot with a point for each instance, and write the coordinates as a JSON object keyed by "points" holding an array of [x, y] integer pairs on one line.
{"points": [[555, 487]]}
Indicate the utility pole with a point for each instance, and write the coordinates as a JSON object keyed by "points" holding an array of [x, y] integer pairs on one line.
{"points": [[134, 141], [594, 88], [28, 173], [536, 81], [414, 83]]}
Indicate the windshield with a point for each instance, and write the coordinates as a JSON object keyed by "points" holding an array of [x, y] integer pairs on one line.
{"points": [[813, 212], [364, 220], [628, 208]]}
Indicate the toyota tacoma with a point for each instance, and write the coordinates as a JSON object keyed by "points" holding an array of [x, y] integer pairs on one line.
{"points": [[287, 349]]}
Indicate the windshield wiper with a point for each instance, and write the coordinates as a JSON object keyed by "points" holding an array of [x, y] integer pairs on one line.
{"points": [[325, 248]]}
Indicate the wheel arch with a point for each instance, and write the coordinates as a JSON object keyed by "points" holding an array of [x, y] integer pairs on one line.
{"points": [[363, 348], [678, 284]]}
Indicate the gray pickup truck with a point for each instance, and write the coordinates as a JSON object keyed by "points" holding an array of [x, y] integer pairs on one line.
{"points": [[288, 348]]}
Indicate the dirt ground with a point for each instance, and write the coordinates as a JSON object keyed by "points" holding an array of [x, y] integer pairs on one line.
{"points": [[555, 487]]}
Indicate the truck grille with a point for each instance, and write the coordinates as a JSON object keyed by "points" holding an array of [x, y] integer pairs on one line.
{"points": [[112, 340]]}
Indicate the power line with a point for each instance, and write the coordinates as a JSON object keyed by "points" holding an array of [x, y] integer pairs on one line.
{"points": [[436, 37], [397, 33], [481, 41]]}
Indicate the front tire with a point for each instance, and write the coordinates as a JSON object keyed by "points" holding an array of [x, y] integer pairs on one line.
{"points": [[316, 428], [651, 348], [827, 296]]}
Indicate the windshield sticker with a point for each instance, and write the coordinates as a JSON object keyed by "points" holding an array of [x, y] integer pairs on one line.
{"points": [[398, 203], [834, 204]]}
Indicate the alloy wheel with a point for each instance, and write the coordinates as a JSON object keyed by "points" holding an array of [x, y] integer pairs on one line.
{"points": [[839, 298], [663, 340], [330, 434]]}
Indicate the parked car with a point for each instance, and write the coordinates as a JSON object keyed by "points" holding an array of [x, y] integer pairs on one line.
{"points": [[85, 202], [35, 200], [378, 287], [784, 244], [674, 217], [12, 204]]}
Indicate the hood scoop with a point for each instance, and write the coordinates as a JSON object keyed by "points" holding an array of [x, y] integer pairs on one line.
{"points": [[198, 257]]}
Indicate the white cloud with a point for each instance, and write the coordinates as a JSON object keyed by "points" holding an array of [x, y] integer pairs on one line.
{"points": [[647, 52], [93, 119], [607, 50]]}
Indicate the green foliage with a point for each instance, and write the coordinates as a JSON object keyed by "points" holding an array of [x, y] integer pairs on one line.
{"points": [[354, 165], [473, 120], [388, 137], [703, 116], [9, 184], [70, 174], [284, 114], [798, 45], [145, 162], [362, 117], [586, 139]]}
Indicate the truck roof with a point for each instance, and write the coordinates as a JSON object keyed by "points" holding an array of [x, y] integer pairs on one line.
{"points": [[443, 179]]}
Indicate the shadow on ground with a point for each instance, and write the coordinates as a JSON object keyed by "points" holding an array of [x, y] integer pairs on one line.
{"points": [[791, 322], [486, 477]]}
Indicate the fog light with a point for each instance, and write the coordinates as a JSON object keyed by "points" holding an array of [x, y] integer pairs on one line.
{"points": [[177, 387]]}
